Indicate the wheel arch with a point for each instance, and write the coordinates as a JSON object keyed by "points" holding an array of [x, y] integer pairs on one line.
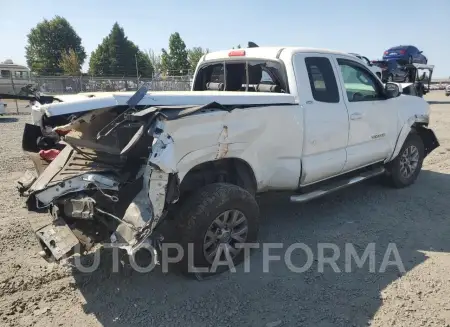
{"points": [[229, 170], [419, 127]]}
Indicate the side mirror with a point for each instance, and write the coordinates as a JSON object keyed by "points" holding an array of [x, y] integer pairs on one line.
{"points": [[392, 90]]}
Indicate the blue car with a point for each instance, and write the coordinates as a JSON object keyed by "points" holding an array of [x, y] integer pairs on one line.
{"points": [[406, 53]]}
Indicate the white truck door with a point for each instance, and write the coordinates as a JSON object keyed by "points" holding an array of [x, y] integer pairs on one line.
{"points": [[372, 117], [325, 117]]}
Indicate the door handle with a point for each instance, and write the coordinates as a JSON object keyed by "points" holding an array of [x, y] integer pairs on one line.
{"points": [[356, 116]]}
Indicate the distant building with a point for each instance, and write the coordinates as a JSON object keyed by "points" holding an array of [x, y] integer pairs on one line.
{"points": [[13, 77]]}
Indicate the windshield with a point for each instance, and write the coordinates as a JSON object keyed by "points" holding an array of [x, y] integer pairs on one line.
{"points": [[246, 75]]}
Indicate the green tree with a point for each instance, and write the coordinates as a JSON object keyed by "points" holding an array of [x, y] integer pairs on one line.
{"points": [[69, 63], [194, 56], [48, 41], [118, 56], [175, 61], [145, 67], [155, 59]]}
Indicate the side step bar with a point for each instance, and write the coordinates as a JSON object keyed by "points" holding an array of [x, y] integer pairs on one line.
{"points": [[337, 185]]}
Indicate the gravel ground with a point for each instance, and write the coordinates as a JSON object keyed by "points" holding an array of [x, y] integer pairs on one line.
{"points": [[33, 292], [21, 107]]}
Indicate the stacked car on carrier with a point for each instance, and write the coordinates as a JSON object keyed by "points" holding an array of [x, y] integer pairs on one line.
{"points": [[404, 64]]}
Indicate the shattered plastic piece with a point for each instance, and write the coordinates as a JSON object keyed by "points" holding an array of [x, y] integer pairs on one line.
{"points": [[49, 155], [26, 181], [62, 132]]}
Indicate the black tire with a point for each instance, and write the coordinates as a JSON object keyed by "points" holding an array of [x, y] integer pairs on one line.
{"points": [[197, 213], [394, 176]]}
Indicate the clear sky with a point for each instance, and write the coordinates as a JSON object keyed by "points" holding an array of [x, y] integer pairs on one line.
{"points": [[363, 26]]}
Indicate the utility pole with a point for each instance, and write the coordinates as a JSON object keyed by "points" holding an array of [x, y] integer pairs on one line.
{"points": [[137, 71], [14, 90]]}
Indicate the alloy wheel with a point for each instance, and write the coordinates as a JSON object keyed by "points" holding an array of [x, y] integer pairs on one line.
{"points": [[409, 161], [227, 230]]}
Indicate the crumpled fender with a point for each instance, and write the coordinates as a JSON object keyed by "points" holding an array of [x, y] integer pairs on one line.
{"points": [[404, 132]]}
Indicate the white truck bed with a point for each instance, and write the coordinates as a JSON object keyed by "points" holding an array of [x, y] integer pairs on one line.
{"points": [[84, 102]]}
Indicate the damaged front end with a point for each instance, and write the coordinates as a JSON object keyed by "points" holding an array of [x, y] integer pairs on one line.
{"points": [[104, 176]]}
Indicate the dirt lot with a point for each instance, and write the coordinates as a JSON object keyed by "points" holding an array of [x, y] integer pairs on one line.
{"points": [[33, 292], [19, 107]]}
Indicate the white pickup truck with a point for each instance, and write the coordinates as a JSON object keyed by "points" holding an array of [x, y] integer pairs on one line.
{"points": [[304, 121]]}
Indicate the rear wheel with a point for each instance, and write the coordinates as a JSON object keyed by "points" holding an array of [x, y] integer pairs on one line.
{"points": [[212, 223], [405, 168]]}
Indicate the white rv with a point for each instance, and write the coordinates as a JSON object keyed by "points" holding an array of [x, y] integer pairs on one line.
{"points": [[13, 77]]}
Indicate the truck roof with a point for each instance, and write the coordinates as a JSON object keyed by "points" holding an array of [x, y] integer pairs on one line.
{"points": [[269, 52]]}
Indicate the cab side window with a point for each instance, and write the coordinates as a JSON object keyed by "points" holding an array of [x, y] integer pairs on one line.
{"points": [[322, 80], [359, 83]]}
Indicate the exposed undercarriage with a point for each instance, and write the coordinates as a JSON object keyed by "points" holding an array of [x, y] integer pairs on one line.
{"points": [[112, 180]]}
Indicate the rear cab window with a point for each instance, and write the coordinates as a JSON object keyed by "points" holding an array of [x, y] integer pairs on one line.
{"points": [[247, 75], [322, 79]]}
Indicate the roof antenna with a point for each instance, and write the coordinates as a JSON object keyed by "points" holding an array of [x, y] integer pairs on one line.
{"points": [[252, 45]]}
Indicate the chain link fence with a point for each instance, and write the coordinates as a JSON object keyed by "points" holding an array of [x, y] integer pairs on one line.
{"points": [[57, 85], [72, 85], [76, 84]]}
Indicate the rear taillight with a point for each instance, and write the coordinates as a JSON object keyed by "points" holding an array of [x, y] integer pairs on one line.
{"points": [[386, 52], [402, 51]]}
